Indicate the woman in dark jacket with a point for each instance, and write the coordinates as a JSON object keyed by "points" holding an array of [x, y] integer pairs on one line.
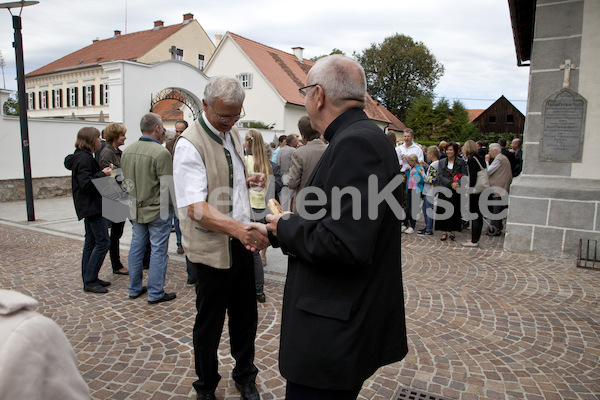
{"points": [[450, 170], [475, 163], [88, 206]]}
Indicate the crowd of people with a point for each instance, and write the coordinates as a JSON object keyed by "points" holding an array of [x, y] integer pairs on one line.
{"points": [[456, 168], [213, 187]]}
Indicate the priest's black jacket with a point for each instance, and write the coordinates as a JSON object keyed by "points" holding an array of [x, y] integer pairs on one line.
{"points": [[343, 305]]}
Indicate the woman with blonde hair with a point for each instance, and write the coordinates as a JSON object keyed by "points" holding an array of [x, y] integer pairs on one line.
{"points": [[257, 162]]}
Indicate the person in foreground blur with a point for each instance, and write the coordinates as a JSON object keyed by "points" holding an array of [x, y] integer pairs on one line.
{"points": [[343, 306], [36, 358], [88, 206], [212, 192], [110, 156]]}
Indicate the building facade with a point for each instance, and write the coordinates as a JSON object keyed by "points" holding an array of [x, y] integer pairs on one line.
{"points": [[555, 202], [76, 86]]}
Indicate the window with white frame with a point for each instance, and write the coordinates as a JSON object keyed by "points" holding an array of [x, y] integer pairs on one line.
{"points": [[44, 99], [72, 96], [246, 79], [88, 93], [104, 97], [200, 61], [57, 99], [31, 101]]}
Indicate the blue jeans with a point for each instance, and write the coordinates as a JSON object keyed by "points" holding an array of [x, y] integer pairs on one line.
{"points": [[177, 228], [428, 220], [95, 247], [158, 231]]}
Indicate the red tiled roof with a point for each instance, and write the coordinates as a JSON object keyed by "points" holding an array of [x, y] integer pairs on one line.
{"points": [[169, 110], [286, 73], [122, 47], [283, 70], [473, 114]]}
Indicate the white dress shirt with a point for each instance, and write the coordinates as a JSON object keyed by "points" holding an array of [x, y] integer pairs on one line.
{"points": [[402, 150], [191, 183]]}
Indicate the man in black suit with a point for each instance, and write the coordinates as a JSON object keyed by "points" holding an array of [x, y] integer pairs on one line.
{"points": [[343, 306], [509, 154]]}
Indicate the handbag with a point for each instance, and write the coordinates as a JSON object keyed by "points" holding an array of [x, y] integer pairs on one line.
{"points": [[483, 179]]}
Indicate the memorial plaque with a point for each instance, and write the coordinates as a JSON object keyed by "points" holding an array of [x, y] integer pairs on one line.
{"points": [[563, 127]]}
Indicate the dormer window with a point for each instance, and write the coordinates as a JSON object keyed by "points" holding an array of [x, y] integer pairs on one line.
{"points": [[246, 79]]}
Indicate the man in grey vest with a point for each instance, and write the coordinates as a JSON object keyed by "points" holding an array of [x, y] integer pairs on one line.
{"points": [[212, 192]]}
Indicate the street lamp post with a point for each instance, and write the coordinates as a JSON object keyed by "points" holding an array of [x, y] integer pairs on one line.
{"points": [[18, 44]]}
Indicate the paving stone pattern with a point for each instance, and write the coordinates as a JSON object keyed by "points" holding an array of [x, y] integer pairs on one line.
{"points": [[482, 324]]}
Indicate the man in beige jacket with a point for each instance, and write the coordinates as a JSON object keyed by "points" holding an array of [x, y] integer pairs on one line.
{"points": [[500, 173]]}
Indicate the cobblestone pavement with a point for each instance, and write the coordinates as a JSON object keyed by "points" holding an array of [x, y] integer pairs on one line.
{"points": [[482, 323]]}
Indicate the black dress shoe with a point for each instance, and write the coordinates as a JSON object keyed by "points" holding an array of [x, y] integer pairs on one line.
{"points": [[248, 391], [95, 289], [166, 297], [206, 396], [104, 283], [135, 296]]}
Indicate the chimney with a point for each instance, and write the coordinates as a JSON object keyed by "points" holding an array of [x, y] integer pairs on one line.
{"points": [[96, 40], [158, 24], [117, 33], [299, 53], [187, 17], [218, 37]]}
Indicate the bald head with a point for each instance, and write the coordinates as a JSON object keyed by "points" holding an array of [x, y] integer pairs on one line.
{"points": [[342, 79]]}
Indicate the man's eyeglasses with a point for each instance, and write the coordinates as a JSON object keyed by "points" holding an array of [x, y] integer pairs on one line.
{"points": [[228, 118], [303, 92]]}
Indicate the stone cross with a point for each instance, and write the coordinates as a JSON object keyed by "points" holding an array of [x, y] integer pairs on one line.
{"points": [[173, 51], [567, 66]]}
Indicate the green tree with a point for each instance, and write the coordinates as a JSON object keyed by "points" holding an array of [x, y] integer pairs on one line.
{"points": [[434, 122], [259, 125], [399, 71], [334, 51], [11, 105]]}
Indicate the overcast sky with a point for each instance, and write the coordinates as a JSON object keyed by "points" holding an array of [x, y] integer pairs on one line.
{"points": [[471, 38]]}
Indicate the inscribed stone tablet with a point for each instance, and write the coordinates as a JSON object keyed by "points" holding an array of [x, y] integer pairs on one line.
{"points": [[563, 125]]}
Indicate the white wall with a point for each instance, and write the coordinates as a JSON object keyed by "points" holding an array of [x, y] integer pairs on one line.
{"points": [[51, 140], [132, 86]]}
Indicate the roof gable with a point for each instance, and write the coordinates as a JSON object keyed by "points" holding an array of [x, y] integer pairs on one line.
{"points": [[283, 70], [286, 74], [122, 47]]}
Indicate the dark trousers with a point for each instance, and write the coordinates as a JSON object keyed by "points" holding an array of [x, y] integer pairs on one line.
{"points": [[294, 391], [411, 203], [95, 247], [477, 223], [116, 231], [219, 291]]}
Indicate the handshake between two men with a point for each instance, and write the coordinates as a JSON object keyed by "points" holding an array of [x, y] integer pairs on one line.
{"points": [[263, 229]]}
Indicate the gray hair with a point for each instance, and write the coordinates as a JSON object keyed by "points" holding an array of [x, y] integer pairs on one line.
{"points": [[496, 146], [149, 122], [341, 78], [229, 90]]}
